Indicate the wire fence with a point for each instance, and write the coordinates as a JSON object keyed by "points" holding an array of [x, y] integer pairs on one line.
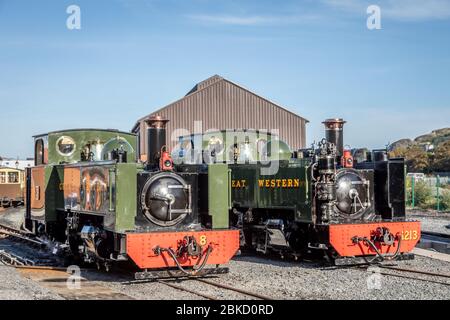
{"points": [[428, 192]]}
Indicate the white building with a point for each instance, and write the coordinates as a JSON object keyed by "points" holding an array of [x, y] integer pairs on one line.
{"points": [[16, 164]]}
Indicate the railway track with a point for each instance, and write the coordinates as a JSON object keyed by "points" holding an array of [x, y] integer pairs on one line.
{"points": [[221, 286], [20, 248], [11, 259], [20, 235], [412, 274]]}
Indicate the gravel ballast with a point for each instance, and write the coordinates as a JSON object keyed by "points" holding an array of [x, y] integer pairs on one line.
{"points": [[306, 281], [15, 287], [432, 222]]}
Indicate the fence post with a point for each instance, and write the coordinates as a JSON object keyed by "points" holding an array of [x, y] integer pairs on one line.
{"points": [[437, 193], [413, 195], [406, 191]]}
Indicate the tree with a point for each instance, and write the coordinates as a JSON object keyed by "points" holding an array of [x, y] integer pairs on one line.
{"points": [[416, 158], [445, 199], [399, 152], [423, 195], [441, 162]]}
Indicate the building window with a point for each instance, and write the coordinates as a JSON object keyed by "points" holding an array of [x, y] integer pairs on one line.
{"points": [[2, 177], [13, 177]]}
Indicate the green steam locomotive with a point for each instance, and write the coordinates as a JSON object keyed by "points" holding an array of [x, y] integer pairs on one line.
{"points": [[91, 199]]}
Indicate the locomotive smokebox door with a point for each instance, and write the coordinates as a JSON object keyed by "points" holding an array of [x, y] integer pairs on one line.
{"points": [[354, 194], [166, 200]]}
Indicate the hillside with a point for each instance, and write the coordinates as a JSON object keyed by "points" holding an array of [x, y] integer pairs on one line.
{"points": [[426, 153], [435, 137], [402, 143]]}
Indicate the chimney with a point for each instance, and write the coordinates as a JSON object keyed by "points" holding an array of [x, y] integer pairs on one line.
{"points": [[156, 138], [334, 133]]}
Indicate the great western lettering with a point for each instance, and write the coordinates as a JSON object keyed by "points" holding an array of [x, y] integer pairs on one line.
{"points": [[270, 183], [238, 183], [279, 183]]}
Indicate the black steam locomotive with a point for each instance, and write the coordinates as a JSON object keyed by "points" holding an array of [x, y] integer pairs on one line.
{"points": [[321, 200]]}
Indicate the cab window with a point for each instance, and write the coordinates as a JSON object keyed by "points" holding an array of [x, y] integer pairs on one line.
{"points": [[39, 152], [65, 146]]}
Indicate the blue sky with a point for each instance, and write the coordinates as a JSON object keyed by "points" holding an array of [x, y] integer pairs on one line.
{"points": [[316, 58]]}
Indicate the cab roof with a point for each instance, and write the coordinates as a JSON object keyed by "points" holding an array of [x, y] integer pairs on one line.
{"points": [[79, 130]]}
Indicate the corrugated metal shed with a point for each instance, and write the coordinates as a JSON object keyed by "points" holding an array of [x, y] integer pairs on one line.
{"points": [[222, 104]]}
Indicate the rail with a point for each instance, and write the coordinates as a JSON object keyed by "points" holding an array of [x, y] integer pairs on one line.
{"points": [[215, 284], [409, 274]]}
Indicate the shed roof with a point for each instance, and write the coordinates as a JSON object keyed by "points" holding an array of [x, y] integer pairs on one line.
{"points": [[215, 79]]}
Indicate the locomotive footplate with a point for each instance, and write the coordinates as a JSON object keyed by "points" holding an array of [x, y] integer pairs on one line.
{"points": [[175, 273], [375, 241], [190, 251]]}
